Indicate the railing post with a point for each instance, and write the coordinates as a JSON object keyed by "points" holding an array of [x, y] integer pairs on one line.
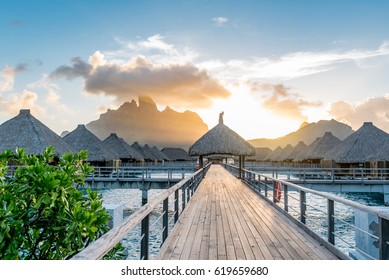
{"points": [[286, 208], [265, 186], [165, 219], [144, 251], [176, 206], [331, 221], [384, 238], [274, 191], [183, 197], [303, 206]]}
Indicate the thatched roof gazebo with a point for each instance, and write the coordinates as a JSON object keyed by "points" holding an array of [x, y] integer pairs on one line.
{"points": [[25, 131], [221, 140], [149, 153], [82, 139], [122, 148], [355, 149], [176, 154]]}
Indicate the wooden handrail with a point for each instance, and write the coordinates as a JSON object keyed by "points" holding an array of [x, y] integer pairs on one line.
{"points": [[105, 243]]}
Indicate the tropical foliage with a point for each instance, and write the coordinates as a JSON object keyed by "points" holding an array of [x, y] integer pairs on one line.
{"points": [[43, 215]]}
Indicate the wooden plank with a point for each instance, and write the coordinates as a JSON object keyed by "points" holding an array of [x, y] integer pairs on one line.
{"points": [[227, 220]]}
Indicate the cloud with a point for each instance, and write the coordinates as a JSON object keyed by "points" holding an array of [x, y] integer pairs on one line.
{"points": [[16, 22], [220, 21], [284, 103], [291, 65], [27, 99], [374, 109], [180, 84], [78, 69], [7, 76], [53, 98]]}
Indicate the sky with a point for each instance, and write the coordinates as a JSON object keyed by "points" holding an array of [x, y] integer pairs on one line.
{"points": [[268, 65]]}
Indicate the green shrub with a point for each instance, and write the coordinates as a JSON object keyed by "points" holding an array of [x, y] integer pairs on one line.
{"points": [[42, 213]]}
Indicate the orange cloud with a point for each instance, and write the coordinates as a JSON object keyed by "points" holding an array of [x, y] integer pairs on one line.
{"points": [[284, 103], [176, 84], [374, 109]]}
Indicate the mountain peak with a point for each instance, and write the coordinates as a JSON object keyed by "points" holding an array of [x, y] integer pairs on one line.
{"points": [[146, 124]]}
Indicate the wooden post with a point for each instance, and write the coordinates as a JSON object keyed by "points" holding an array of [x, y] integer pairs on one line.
{"points": [[201, 162], [383, 225], [331, 221], [286, 203], [303, 206], [165, 219], [144, 252], [176, 206], [240, 167]]}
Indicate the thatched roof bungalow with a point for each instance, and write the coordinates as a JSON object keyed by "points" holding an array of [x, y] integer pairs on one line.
{"points": [[125, 152], [275, 154], [297, 151], [140, 150], [318, 149], [158, 154], [284, 153], [355, 149], [261, 153], [176, 154], [221, 140], [82, 139], [25, 131], [149, 153]]}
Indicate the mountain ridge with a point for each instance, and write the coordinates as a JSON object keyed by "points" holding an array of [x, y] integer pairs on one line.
{"points": [[308, 132], [147, 125]]}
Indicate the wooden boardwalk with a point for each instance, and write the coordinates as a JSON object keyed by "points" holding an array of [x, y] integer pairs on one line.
{"points": [[225, 219]]}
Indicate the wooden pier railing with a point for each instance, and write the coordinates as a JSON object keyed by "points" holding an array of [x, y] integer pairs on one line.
{"points": [[180, 193], [292, 200]]}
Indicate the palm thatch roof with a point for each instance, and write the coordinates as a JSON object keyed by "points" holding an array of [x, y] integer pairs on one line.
{"points": [[285, 153], [25, 131], [320, 147], [140, 150], [381, 154], [176, 154], [261, 153], [275, 154], [297, 151], [122, 149], [82, 139], [149, 152], [367, 140], [221, 140], [158, 154]]}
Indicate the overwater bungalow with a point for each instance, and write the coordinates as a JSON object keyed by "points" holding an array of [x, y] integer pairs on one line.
{"points": [[221, 140], [176, 154], [355, 149], [283, 156], [98, 154], [149, 153], [261, 153], [25, 131], [140, 150], [316, 152], [297, 151], [275, 154], [158, 154], [125, 152]]}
